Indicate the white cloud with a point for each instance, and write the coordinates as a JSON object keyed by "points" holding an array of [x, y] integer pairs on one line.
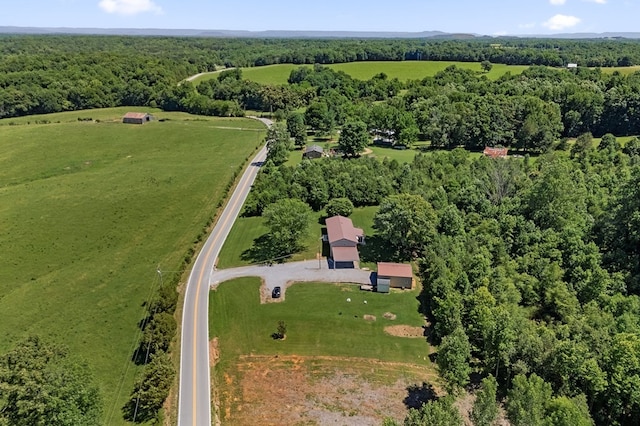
{"points": [[129, 7], [561, 22], [558, 2]]}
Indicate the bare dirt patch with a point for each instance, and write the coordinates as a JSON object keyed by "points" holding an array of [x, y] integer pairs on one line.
{"points": [[369, 317], [389, 315], [404, 331], [214, 352], [278, 390]]}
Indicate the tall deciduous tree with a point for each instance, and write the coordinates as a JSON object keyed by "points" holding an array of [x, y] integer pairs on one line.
{"points": [[41, 385], [288, 223], [354, 137], [278, 143], [297, 128], [485, 407], [527, 400], [441, 412], [320, 118], [486, 66], [453, 360], [339, 206], [406, 221], [151, 389]]}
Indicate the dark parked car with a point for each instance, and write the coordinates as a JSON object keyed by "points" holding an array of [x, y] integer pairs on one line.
{"points": [[276, 292]]}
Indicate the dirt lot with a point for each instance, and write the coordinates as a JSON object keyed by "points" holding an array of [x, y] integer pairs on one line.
{"points": [[293, 390]]}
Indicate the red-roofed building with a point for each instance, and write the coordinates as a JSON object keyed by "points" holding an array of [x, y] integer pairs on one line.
{"points": [[343, 240], [136, 118], [495, 152], [393, 275]]}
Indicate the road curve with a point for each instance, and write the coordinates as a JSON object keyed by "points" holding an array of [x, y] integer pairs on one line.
{"points": [[194, 403], [200, 74]]}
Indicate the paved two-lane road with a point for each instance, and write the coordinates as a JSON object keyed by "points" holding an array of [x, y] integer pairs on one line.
{"points": [[194, 406]]}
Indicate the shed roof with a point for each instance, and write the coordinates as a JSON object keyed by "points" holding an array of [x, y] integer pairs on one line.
{"points": [[314, 148], [341, 228], [345, 254], [495, 152], [135, 115], [390, 269]]}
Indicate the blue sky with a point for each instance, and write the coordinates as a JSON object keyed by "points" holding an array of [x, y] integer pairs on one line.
{"points": [[491, 17]]}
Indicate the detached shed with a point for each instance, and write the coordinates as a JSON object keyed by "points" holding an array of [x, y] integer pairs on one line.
{"points": [[136, 118], [393, 275], [492, 152], [313, 151]]}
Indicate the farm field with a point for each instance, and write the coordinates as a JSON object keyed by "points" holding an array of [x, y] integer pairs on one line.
{"points": [[89, 210], [402, 70], [330, 349]]}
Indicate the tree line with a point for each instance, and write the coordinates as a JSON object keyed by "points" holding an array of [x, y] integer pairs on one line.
{"points": [[45, 74]]}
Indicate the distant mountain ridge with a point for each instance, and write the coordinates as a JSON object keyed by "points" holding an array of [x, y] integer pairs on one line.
{"points": [[297, 34]]}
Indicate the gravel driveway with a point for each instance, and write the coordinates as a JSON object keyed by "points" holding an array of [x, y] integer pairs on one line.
{"points": [[281, 274]]}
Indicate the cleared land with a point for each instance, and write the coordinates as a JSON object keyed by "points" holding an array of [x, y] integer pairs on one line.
{"points": [[334, 364], [403, 71], [88, 210]]}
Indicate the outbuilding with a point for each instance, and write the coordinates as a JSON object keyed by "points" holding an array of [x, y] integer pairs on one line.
{"points": [[495, 152], [136, 118], [313, 151], [393, 275]]}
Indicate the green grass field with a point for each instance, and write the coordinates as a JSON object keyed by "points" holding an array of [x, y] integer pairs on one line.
{"points": [[89, 210], [319, 322], [403, 71], [247, 229]]}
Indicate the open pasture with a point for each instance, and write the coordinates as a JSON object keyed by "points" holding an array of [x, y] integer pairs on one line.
{"points": [[402, 70], [89, 210]]}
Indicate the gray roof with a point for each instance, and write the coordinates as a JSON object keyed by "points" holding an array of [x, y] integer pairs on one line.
{"points": [[313, 148]]}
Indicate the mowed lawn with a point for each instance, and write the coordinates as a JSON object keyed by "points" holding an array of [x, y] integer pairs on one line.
{"points": [[247, 230], [89, 210], [319, 321]]}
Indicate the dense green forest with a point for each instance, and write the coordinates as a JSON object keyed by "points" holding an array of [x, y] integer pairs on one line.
{"points": [[43, 74], [530, 268]]}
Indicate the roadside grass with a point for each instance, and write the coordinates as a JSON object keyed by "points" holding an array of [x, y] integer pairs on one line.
{"points": [[89, 210], [239, 248], [319, 322]]}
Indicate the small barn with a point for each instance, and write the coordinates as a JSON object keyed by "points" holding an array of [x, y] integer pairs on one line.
{"points": [[393, 275], [136, 118], [492, 152], [313, 151]]}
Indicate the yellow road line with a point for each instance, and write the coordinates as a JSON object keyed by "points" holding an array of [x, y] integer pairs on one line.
{"points": [[195, 311]]}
